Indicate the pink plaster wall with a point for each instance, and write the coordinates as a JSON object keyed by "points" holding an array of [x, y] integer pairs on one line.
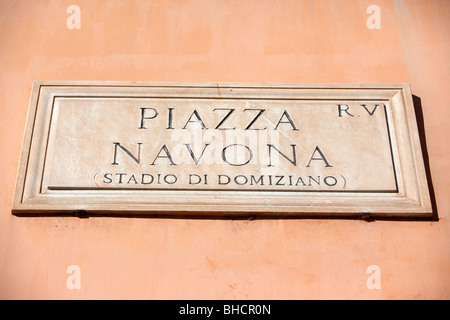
{"points": [[239, 41]]}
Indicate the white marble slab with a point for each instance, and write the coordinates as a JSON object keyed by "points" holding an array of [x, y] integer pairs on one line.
{"points": [[222, 148]]}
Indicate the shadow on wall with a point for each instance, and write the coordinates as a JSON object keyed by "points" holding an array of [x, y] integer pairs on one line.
{"points": [[423, 144]]}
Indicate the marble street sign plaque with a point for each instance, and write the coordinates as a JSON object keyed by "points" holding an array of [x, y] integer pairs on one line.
{"points": [[221, 148]]}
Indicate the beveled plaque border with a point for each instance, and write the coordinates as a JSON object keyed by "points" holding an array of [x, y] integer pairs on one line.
{"points": [[411, 199]]}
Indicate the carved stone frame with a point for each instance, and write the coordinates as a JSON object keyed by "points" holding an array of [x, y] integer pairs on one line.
{"points": [[412, 199]]}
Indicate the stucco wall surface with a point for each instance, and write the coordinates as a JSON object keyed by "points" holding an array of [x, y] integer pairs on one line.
{"points": [[318, 41]]}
